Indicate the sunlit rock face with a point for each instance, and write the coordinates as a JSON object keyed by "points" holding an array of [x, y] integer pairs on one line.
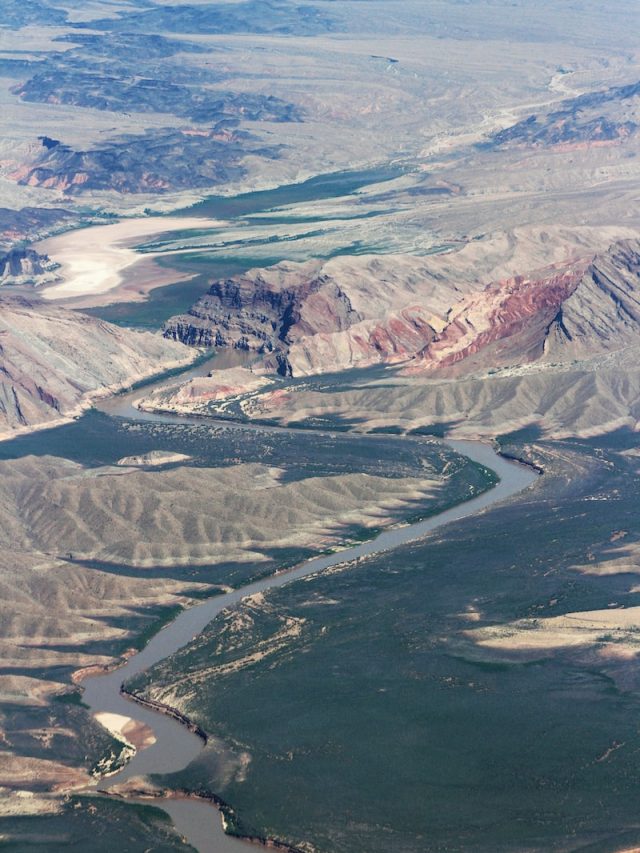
{"points": [[53, 361], [315, 317], [319, 317]]}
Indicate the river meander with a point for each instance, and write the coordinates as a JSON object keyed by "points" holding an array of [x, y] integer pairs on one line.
{"points": [[176, 746]]}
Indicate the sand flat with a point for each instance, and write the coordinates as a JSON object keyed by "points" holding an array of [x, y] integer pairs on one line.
{"points": [[126, 729], [97, 263]]}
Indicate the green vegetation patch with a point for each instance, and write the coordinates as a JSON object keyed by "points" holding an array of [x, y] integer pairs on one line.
{"points": [[372, 719], [92, 823]]}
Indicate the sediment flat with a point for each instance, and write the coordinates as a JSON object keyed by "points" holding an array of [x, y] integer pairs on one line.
{"points": [[93, 261]]}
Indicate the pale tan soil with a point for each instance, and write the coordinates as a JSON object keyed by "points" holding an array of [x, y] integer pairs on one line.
{"points": [[189, 515], [129, 731], [153, 459], [48, 602], [53, 609], [585, 398], [622, 559], [20, 770], [193, 397], [14, 803], [22, 689], [101, 261], [616, 631]]}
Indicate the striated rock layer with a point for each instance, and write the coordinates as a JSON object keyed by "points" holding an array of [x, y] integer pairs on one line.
{"points": [[506, 323], [588, 309], [442, 313], [319, 316], [53, 362]]}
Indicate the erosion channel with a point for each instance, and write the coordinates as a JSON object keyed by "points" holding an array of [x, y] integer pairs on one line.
{"points": [[176, 745]]}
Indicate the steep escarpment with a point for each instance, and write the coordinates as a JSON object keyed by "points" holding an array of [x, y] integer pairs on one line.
{"points": [[24, 265], [445, 313], [318, 316], [557, 352], [505, 323], [266, 316], [590, 308], [603, 313], [54, 361]]}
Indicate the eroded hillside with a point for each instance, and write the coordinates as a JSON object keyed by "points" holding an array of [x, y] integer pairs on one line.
{"points": [[54, 362]]}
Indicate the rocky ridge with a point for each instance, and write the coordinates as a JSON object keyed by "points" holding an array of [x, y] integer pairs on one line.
{"points": [[53, 362], [313, 317], [156, 161], [508, 322], [602, 313], [316, 317], [595, 118]]}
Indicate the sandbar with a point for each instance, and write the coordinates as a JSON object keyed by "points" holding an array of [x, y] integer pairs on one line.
{"points": [[99, 264], [132, 732]]}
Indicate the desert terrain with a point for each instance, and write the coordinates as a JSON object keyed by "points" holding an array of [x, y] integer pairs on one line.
{"points": [[376, 225]]}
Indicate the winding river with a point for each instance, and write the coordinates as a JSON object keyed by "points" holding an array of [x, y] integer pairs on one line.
{"points": [[175, 745]]}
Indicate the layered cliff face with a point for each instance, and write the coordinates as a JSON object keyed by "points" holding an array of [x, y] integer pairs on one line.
{"points": [[255, 311], [506, 323], [426, 314], [315, 317], [19, 266], [53, 362], [590, 308]]}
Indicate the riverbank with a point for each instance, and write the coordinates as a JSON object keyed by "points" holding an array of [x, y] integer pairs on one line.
{"points": [[91, 398], [99, 265], [104, 692]]}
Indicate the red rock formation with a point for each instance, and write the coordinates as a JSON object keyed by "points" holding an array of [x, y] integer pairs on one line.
{"points": [[324, 317], [507, 321], [314, 317]]}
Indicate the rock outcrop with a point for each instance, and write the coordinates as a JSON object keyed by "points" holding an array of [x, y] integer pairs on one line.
{"points": [[603, 312], [157, 161], [30, 224], [21, 266], [590, 308], [593, 118], [427, 314], [266, 315], [53, 362], [314, 317], [195, 395], [506, 323]]}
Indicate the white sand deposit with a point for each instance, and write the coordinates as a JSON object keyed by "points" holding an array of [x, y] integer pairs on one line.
{"points": [[131, 732], [99, 259]]}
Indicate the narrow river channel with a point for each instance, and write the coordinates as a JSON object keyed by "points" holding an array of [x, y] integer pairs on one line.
{"points": [[175, 745]]}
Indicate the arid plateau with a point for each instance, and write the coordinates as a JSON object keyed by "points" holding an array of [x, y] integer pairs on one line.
{"points": [[319, 416]]}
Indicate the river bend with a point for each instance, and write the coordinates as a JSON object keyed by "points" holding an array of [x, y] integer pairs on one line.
{"points": [[175, 745]]}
